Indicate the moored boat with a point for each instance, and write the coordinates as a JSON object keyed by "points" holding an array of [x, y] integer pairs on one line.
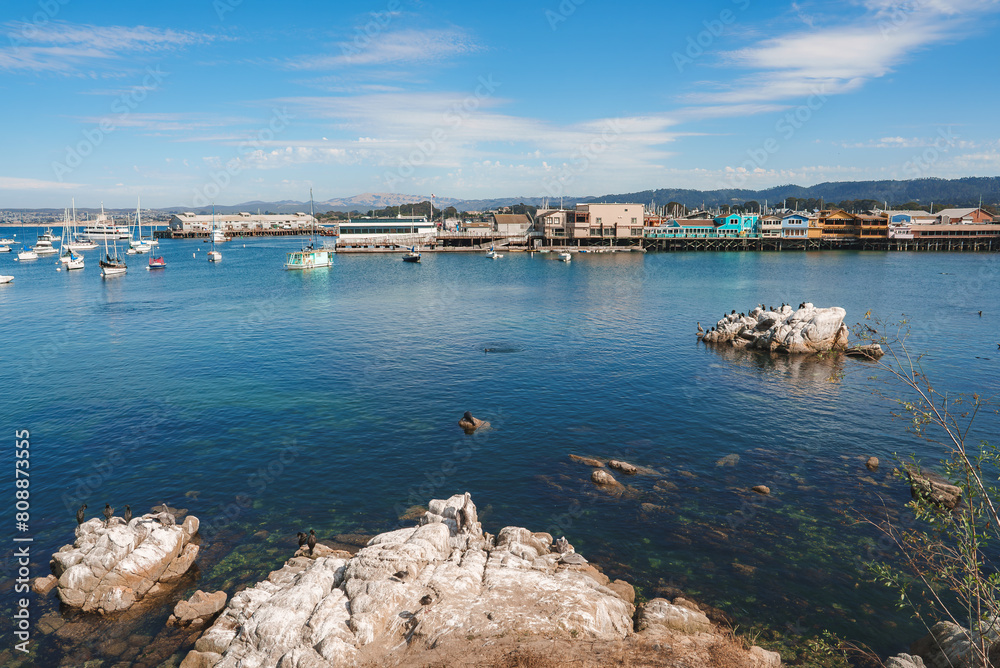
{"points": [[310, 257], [412, 255], [4, 249], [565, 256], [112, 265], [6, 279], [493, 254], [156, 263], [27, 255]]}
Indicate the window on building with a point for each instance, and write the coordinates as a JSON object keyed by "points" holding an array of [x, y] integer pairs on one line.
{"points": [[598, 221], [633, 221]]}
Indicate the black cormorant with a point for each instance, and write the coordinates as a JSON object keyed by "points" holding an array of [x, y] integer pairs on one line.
{"points": [[311, 541], [109, 512], [302, 538], [79, 514], [128, 514]]}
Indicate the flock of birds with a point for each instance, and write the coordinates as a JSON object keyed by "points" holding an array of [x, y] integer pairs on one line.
{"points": [[109, 512]]}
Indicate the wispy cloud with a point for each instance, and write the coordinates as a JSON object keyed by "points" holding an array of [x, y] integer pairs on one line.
{"points": [[15, 183], [840, 57], [65, 48], [400, 47]]}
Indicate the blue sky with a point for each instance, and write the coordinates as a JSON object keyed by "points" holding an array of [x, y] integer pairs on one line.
{"points": [[185, 103]]}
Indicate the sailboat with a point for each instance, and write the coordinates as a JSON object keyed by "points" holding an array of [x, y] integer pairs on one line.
{"points": [[156, 262], [137, 246], [112, 266], [68, 258], [214, 255], [493, 254], [27, 253], [75, 241], [412, 256], [310, 257]]}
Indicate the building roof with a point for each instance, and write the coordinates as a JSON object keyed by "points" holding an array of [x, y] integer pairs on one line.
{"points": [[961, 213], [511, 219]]}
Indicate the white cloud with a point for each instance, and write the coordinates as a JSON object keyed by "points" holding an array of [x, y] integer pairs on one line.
{"points": [[401, 47], [66, 48], [15, 183], [840, 58]]}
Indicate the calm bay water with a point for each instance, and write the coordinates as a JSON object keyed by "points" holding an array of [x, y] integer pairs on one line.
{"points": [[269, 402]]}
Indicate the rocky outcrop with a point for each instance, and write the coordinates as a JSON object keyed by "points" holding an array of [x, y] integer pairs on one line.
{"points": [[471, 424], [198, 608], [603, 478], [948, 645], [109, 568], [425, 588], [785, 330], [414, 585]]}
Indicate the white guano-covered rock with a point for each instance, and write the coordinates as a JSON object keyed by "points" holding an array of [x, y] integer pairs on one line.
{"points": [[413, 587], [109, 568], [805, 330]]}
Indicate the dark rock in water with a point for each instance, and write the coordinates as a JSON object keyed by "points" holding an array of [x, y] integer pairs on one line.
{"points": [[728, 460], [872, 463], [470, 424], [501, 349], [934, 488]]}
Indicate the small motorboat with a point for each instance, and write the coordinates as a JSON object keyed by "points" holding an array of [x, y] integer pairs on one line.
{"points": [[565, 256], [156, 263], [27, 255], [6, 279], [4, 249], [412, 256]]}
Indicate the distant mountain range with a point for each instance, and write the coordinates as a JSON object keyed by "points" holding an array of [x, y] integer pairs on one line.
{"points": [[954, 192]]}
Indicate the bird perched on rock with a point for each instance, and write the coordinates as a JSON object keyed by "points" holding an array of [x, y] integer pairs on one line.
{"points": [[700, 330], [302, 538], [109, 512], [80, 515], [128, 514], [311, 541]]}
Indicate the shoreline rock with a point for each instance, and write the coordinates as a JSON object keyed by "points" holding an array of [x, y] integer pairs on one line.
{"points": [[110, 568], [443, 586]]}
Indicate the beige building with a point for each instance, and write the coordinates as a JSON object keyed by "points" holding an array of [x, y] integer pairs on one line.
{"points": [[592, 221]]}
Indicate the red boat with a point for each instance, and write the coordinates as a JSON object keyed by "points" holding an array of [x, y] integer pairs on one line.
{"points": [[156, 263]]}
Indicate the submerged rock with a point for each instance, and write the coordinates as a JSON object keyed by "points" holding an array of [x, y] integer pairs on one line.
{"points": [[589, 461], [872, 463], [108, 569], [785, 330], [761, 489]]}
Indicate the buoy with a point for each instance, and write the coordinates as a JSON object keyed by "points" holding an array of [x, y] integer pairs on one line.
{"points": [[194, 255]]}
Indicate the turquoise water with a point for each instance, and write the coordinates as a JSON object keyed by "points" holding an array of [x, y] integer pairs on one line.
{"points": [[269, 402]]}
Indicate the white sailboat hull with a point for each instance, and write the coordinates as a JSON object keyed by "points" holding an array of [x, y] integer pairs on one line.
{"points": [[6, 279], [74, 264], [214, 256], [27, 255]]}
